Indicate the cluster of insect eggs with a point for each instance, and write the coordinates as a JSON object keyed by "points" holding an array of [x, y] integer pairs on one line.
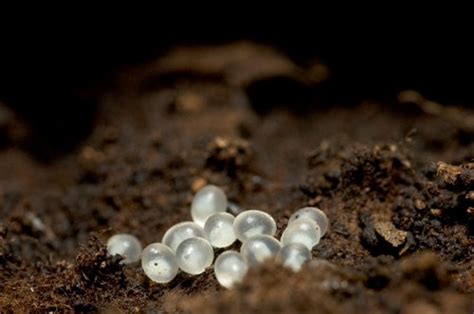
{"points": [[188, 246]]}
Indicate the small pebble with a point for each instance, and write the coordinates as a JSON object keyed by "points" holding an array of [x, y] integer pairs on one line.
{"points": [[302, 230], [219, 229], [180, 232], [207, 201], [126, 245], [294, 255], [159, 263], [198, 184], [312, 213], [194, 255], [259, 248], [230, 268], [253, 222]]}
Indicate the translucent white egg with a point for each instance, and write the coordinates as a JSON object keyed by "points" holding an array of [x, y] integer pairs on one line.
{"points": [[253, 222], [207, 201], [159, 263], [180, 232], [304, 231], [219, 229], [312, 213], [230, 268], [294, 255], [194, 255], [126, 245], [259, 248]]}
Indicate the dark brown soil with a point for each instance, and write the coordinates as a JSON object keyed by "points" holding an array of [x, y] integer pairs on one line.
{"points": [[395, 179]]}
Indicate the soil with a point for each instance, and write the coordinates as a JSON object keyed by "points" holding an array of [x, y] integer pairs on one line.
{"points": [[396, 180]]}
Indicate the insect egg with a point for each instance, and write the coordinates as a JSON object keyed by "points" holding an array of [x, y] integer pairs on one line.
{"points": [[230, 268], [259, 248], [207, 201], [304, 231], [253, 222], [312, 213], [219, 229], [159, 263], [126, 245], [294, 255], [194, 255], [180, 232]]}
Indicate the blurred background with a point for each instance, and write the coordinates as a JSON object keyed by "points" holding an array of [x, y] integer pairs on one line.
{"points": [[53, 77]]}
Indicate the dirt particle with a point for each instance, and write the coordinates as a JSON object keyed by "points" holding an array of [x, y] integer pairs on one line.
{"points": [[89, 153], [470, 196], [197, 184], [229, 154], [390, 234], [419, 204], [448, 173], [470, 211], [188, 102]]}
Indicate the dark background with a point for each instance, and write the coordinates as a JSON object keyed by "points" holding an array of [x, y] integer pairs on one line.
{"points": [[53, 76]]}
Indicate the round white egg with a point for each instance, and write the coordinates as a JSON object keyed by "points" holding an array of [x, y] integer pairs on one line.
{"points": [[180, 232], [159, 263], [304, 231], [219, 230], [125, 245], [294, 255], [259, 248], [207, 201], [313, 213], [253, 222], [194, 255], [230, 268]]}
